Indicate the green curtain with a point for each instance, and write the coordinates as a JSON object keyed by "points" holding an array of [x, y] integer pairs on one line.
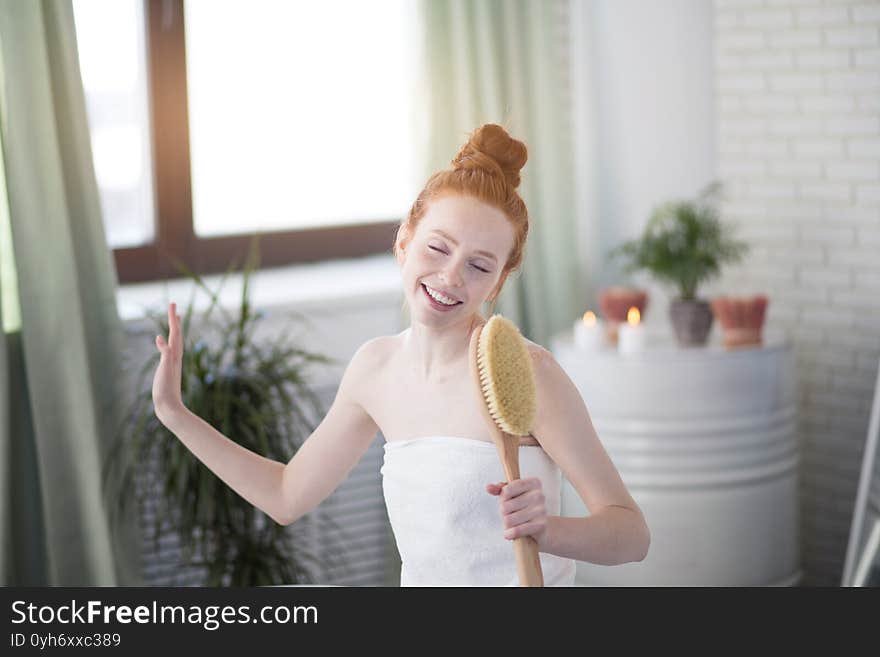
{"points": [[493, 61], [61, 347]]}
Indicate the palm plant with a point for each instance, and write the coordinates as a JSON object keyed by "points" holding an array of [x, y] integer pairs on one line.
{"points": [[256, 393], [684, 244]]}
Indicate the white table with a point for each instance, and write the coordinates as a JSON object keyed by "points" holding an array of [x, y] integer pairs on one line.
{"points": [[704, 439]]}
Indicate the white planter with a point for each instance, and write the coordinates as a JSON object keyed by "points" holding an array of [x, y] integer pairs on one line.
{"points": [[704, 439]]}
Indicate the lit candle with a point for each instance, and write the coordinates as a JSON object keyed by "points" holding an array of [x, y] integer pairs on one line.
{"points": [[631, 335], [588, 332]]}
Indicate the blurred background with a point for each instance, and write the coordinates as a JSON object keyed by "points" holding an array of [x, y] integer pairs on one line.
{"points": [[150, 143]]}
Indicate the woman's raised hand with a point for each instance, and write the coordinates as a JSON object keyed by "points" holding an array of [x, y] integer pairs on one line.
{"points": [[166, 382]]}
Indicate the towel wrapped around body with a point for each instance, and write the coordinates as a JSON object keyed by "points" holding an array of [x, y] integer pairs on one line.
{"points": [[448, 529]]}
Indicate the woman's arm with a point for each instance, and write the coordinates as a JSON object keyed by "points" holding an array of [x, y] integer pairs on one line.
{"points": [[612, 536], [283, 492], [254, 477], [328, 455], [615, 532]]}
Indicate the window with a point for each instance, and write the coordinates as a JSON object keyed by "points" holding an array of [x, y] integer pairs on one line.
{"points": [[290, 120], [110, 40]]}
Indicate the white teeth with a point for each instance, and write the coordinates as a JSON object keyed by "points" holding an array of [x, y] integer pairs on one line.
{"points": [[442, 298]]}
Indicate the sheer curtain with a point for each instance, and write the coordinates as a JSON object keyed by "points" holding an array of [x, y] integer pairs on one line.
{"points": [[497, 61], [60, 353]]}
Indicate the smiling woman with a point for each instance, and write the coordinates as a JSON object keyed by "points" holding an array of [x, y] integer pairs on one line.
{"points": [[451, 260], [471, 213], [451, 511]]}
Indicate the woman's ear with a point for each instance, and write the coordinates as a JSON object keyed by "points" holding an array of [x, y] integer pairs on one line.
{"points": [[402, 242]]}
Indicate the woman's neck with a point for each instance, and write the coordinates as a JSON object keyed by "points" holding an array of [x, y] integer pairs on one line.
{"points": [[437, 353]]}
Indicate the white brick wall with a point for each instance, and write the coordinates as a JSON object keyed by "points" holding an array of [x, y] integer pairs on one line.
{"points": [[798, 90]]}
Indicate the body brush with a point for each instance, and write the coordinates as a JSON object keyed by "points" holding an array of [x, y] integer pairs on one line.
{"points": [[502, 370]]}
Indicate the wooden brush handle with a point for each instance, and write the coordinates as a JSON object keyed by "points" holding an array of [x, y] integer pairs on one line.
{"points": [[525, 548]]}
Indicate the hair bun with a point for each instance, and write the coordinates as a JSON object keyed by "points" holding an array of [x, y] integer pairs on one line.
{"points": [[491, 149]]}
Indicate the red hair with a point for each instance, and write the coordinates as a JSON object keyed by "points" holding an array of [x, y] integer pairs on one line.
{"points": [[486, 168]]}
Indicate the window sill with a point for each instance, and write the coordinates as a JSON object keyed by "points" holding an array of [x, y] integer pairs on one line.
{"points": [[307, 287]]}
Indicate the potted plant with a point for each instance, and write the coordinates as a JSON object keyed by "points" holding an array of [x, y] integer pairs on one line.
{"points": [[685, 244], [254, 392], [742, 319]]}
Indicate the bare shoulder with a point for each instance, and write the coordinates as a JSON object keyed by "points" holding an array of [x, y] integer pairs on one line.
{"points": [[543, 361], [373, 354], [375, 350], [552, 383], [368, 362], [552, 388]]}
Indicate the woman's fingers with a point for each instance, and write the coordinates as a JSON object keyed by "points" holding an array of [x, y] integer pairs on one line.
{"points": [[495, 489], [534, 528], [173, 325], [515, 518], [173, 330], [517, 503]]}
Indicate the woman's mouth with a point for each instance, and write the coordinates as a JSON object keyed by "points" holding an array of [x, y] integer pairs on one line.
{"points": [[438, 301]]}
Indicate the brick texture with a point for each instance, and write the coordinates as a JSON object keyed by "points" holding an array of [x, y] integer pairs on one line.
{"points": [[798, 112]]}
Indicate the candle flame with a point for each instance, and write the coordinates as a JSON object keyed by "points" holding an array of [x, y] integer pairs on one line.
{"points": [[633, 316], [590, 318]]}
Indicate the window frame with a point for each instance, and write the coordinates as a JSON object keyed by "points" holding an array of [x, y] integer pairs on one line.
{"points": [[175, 238]]}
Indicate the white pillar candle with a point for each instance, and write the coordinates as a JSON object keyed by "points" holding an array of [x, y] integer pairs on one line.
{"points": [[631, 334], [588, 332]]}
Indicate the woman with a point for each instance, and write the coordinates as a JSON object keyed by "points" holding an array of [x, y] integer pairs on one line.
{"points": [[463, 236]]}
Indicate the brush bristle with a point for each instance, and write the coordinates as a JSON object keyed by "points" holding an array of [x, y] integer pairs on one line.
{"points": [[506, 376]]}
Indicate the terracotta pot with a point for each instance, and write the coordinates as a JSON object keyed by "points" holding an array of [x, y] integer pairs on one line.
{"points": [[691, 321], [615, 302], [741, 318]]}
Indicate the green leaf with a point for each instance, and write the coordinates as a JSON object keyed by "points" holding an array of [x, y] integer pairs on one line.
{"points": [[684, 244], [259, 393]]}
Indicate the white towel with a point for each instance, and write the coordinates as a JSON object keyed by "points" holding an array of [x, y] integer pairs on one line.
{"points": [[448, 528]]}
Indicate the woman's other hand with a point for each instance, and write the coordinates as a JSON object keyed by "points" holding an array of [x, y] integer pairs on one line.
{"points": [[523, 512], [166, 382]]}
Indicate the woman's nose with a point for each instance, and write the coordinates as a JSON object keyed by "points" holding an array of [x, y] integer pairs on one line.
{"points": [[451, 275]]}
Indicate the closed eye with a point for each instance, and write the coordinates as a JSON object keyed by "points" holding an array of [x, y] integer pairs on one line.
{"points": [[434, 248]]}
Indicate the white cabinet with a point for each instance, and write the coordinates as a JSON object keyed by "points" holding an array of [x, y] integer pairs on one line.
{"points": [[704, 439]]}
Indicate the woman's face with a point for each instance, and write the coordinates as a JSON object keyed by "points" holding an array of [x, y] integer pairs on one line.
{"points": [[455, 259]]}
